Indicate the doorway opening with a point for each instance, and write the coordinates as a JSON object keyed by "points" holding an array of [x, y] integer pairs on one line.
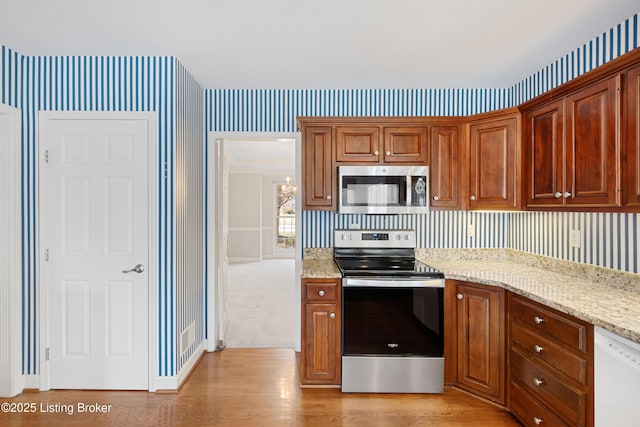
{"points": [[252, 201]]}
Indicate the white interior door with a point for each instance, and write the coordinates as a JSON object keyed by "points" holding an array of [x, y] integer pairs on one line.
{"points": [[96, 227]]}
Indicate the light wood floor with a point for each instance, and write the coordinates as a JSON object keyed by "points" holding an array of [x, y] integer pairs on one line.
{"points": [[257, 387]]}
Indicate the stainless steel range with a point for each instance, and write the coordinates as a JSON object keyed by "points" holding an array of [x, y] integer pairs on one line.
{"points": [[392, 314]]}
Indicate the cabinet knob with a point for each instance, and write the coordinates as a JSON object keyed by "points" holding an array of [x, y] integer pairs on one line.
{"points": [[538, 382], [538, 320], [388, 153], [537, 348], [436, 198], [537, 421], [557, 194], [332, 315], [566, 194], [472, 198], [376, 152], [321, 293], [329, 197], [459, 296]]}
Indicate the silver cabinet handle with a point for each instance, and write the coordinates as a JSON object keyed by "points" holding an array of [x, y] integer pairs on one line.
{"points": [[332, 315], [388, 153], [537, 348], [538, 320], [137, 269], [538, 382], [329, 197], [436, 198], [566, 194], [537, 421], [321, 293], [376, 152], [472, 198], [459, 296], [557, 194]]}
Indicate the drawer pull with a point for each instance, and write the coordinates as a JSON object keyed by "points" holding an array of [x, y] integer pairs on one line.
{"points": [[537, 421], [321, 293], [538, 382], [538, 320], [538, 349], [332, 315]]}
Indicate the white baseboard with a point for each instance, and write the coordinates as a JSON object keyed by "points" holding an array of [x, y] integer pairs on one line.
{"points": [[174, 382]]}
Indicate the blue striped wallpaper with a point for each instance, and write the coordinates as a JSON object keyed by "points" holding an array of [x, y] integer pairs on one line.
{"points": [[94, 83]]}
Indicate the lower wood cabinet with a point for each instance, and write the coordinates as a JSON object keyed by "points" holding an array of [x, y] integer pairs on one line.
{"points": [[320, 359], [550, 365], [475, 339]]}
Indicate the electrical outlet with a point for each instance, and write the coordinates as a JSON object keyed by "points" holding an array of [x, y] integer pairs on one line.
{"points": [[471, 230], [574, 238]]}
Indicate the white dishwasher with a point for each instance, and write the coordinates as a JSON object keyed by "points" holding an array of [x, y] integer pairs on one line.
{"points": [[617, 380]]}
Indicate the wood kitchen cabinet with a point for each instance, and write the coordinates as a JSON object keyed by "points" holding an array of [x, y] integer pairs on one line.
{"points": [[318, 171], [444, 167], [631, 144], [572, 149], [382, 144], [475, 339], [493, 161], [550, 365], [320, 359]]}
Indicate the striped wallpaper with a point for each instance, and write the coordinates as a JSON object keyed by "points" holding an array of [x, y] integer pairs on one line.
{"points": [[95, 83]]}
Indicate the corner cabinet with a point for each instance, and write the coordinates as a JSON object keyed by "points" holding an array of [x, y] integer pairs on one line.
{"points": [[550, 366], [494, 161], [572, 149], [631, 145], [320, 359], [475, 339]]}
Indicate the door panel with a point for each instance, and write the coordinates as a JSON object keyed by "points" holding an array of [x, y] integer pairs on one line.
{"points": [[97, 218]]}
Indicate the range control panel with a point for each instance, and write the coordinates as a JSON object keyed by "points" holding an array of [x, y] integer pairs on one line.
{"points": [[375, 238]]}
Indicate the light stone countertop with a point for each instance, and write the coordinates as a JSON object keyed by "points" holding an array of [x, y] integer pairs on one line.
{"points": [[606, 298]]}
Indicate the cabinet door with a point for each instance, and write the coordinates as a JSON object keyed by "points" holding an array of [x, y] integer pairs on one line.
{"points": [[443, 167], [632, 141], [481, 340], [358, 144], [543, 152], [321, 344], [591, 145], [317, 168], [405, 145], [492, 164]]}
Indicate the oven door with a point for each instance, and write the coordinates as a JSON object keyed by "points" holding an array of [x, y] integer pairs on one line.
{"points": [[393, 317], [392, 337]]}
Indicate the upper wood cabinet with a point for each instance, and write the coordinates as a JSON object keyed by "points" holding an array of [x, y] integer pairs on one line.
{"points": [[444, 167], [318, 172], [631, 145], [572, 149], [382, 144], [493, 158]]}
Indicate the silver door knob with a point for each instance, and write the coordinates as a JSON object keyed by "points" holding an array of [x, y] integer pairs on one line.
{"points": [[472, 198], [537, 348], [137, 269], [332, 315], [459, 296], [321, 293], [566, 194], [537, 320], [376, 152], [388, 153], [557, 194], [537, 420], [538, 382], [329, 197], [436, 198]]}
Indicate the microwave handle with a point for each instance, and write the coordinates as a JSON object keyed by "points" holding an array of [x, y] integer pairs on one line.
{"points": [[409, 190]]}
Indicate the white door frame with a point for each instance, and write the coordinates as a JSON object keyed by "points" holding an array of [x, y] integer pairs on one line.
{"points": [[215, 300], [153, 190], [11, 288]]}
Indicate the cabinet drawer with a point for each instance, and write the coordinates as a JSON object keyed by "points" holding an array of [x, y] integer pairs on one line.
{"points": [[556, 325], [565, 400], [541, 348], [321, 291], [529, 411]]}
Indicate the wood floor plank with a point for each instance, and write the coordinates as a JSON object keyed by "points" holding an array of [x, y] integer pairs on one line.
{"points": [[254, 387]]}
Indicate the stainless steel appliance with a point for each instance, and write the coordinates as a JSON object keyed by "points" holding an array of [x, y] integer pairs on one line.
{"points": [[383, 189], [392, 314]]}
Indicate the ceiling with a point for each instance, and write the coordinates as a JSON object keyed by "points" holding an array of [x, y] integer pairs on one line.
{"points": [[320, 44]]}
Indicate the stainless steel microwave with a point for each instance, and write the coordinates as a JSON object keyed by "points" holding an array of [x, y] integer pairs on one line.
{"points": [[383, 189]]}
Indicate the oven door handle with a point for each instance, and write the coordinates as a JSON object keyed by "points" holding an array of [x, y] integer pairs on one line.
{"points": [[393, 283]]}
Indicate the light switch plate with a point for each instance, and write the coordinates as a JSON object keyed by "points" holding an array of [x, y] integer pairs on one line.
{"points": [[574, 238], [471, 230]]}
